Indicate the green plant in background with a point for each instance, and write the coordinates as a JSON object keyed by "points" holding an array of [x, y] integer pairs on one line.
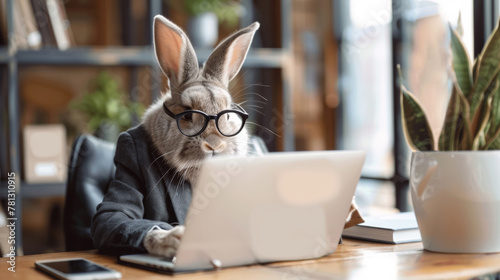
{"points": [[472, 119], [228, 11], [105, 104]]}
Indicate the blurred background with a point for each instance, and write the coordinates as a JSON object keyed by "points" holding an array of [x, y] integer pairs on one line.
{"points": [[321, 75]]}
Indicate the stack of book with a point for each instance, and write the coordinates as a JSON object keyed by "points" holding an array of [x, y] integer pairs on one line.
{"points": [[394, 229], [37, 23]]}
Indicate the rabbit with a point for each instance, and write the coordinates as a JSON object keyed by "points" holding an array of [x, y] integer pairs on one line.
{"points": [[192, 88]]}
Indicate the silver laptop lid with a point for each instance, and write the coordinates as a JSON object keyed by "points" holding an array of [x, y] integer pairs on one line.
{"points": [[278, 207]]}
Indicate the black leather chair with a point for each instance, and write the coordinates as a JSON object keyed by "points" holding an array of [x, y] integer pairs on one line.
{"points": [[90, 171]]}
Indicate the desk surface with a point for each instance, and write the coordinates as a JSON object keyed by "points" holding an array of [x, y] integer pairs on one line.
{"points": [[351, 260]]}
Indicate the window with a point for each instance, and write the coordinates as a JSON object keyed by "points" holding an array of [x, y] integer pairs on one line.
{"points": [[366, 86], [376, 35]]}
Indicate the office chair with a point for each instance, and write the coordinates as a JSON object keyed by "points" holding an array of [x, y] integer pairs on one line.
{"points": [[90, 171]]}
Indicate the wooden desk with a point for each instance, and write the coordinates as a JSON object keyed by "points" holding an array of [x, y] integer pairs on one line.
{"points": [[351, 260]]}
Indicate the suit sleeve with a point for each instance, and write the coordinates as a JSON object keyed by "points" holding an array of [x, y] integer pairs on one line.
{"points": [[119, 225]]}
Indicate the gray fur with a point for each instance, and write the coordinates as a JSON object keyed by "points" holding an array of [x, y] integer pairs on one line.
{"points": [[200, 89]]}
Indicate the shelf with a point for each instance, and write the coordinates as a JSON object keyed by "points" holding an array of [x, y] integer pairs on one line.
{"points": [[114, 56], [29, 190], [106, 56]]}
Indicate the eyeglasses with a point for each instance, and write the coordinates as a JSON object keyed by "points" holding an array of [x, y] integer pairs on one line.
{"points": [[193, 122]]}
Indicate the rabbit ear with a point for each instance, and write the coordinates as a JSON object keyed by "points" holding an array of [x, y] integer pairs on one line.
{"points": [[226, 60], [174, 52]]}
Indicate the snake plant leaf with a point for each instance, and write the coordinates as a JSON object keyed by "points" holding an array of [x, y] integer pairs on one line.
{"points": [[474, 70], [416, 128], [461, 62], [460, 130], [479, 136], [495, 106], [495, 145], [493, 141], [478, 117], [460, 26], [488, 68], [448, 135], [465, 136], [494, 129]]}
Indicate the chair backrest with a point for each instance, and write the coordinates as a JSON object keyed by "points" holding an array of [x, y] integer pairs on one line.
{"points": [[90, 171]]}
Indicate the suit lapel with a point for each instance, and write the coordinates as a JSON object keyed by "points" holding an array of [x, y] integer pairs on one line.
{"points": [[180, 195]]}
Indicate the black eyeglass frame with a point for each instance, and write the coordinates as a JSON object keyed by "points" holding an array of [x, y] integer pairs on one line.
{"points": [[243, 114]]}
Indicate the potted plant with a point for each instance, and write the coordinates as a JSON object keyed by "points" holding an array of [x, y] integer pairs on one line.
{"points": [[106, 108], [455, 184], [204, 18]]}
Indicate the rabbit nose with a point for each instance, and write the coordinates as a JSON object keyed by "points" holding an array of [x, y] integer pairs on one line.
{"points": [[214, 147]]}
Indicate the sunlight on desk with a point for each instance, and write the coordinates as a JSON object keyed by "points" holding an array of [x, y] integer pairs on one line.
{"points": [[352, 260], [366, 260]]}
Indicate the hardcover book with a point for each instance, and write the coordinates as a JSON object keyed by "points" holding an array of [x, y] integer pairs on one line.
{"points": [[395, 229]]}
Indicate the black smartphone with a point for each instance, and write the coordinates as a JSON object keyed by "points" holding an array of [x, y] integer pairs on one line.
{"points": [[76, 269]]}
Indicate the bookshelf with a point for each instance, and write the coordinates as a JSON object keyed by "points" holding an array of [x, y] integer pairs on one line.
{"points": [[37, 190], [130, 56], [105, 56], [138, 56]]}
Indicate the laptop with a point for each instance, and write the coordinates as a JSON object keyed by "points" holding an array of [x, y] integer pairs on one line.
{"points": [[278, 207]]}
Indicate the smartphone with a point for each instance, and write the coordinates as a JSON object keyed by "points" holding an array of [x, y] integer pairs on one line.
{"points": [[76, 269]]}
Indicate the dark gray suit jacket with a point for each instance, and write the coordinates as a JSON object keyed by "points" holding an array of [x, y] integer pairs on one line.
{"points": [[143, 194]]}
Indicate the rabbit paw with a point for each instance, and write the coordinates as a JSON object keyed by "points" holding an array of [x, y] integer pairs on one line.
{"points": [[164, 242]]}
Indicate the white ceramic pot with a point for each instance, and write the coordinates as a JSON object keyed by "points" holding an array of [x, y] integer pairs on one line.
{"points": [[108, 131], [456, 197], [203, 30]]}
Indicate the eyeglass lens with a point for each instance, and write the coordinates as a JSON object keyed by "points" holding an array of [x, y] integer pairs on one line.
{"points": [[193, 123], [229, 123]]}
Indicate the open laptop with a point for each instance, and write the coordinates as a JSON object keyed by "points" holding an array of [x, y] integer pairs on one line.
{"points": [[277, 207]]}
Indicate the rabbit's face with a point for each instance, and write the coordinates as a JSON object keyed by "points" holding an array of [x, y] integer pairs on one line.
{"points": [[210, 99], [192, 88]]}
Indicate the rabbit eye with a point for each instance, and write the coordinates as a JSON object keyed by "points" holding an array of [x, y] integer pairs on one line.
{"points": [[188, 117]]}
